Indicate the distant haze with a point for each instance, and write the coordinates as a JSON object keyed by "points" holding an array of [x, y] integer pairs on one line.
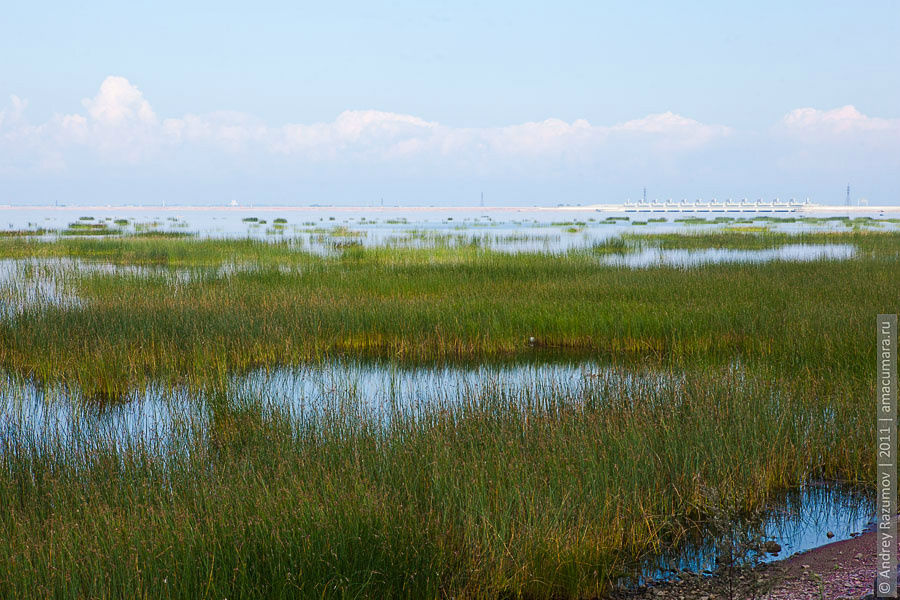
{"points": [[424, 103]]}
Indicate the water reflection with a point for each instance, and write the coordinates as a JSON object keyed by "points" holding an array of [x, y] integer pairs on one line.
{"points": [[796, 521], [154, 416], [651, 257]]}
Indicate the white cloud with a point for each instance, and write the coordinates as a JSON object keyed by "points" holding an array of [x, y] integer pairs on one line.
{"points": [[356, 132], [844, 120], [674, 130], [13, 114], [228, 130], [840, 140], [118, 102]]}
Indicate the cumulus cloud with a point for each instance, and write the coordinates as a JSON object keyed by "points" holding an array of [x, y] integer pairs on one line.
{"points": [[228, 130], [118, 102], [840, 139], [13, 113], [370, 133], [674, 130], [844, 120]]}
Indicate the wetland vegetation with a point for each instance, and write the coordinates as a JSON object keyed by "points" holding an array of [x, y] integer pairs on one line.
{"points": [[721, 387]]}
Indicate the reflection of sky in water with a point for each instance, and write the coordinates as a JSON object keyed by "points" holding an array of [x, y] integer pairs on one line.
{"points": [[798, 528], [382, 391], [376, 392], [37, 282], [55, 416], [798, 521], [650, 257]]}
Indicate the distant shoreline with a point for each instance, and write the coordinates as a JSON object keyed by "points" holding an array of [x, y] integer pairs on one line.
{"points": [[813, 208]]}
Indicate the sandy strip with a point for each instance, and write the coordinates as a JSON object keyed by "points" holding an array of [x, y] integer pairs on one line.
{"points": [[812, 208]]}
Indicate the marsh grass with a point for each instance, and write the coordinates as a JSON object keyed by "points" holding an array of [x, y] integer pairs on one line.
{"points": [[12, 233], [543, 492], [277, 304], [761, 238], [89, 228]]}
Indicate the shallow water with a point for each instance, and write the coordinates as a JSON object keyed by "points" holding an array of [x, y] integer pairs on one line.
{"points": [[652, 257], [798, 521], [42, 282], [514, 229], [154, 416]]}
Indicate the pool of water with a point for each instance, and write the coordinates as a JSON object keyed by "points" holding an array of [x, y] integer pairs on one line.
{"points": [[652, 257], [155, 416], [797, 521]]}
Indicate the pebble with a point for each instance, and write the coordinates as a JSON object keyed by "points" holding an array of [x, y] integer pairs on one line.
{"points": [[772, 547]]}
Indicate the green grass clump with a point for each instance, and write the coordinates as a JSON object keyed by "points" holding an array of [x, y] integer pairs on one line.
{"points": [[83, 228], [694, 221], [753, 238], [12, 233], [613, 245]]}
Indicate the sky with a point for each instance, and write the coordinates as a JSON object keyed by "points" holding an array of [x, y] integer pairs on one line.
{"points": [[434, 103]]}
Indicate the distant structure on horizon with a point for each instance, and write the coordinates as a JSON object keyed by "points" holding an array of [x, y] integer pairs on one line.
{"points": [[714, 205]]}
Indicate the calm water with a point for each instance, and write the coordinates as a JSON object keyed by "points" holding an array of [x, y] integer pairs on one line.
{"points": [[798, 521], [153, 416], [508, 229]]}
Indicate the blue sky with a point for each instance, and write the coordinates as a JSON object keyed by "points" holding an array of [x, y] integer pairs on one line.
{"points": [[431, 103]]}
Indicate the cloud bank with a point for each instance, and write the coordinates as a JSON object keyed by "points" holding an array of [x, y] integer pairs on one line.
{"points": [[118, 131], [119, 126]]}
